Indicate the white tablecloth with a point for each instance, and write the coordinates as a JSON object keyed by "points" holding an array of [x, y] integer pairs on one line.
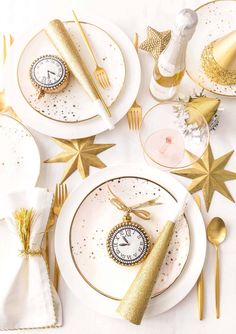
{"points": [[134, 16]]}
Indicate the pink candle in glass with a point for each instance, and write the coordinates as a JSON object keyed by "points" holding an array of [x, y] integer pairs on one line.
{"points": [[166, 147]]}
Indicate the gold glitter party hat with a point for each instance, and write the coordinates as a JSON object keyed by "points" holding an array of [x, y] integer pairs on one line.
{"points": [[218, 59], [135, 301], [206, 106]]}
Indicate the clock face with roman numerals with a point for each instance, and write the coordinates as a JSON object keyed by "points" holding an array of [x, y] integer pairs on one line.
{"points": [[128, 243], [49, 73]]}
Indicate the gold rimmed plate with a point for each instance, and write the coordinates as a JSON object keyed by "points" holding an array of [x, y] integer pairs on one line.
{"points": [[87, 218], [215, 19], [90, 230], [72, 105], [84, 123], [19, 159]]}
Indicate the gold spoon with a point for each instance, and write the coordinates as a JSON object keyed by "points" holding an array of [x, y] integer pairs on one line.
{"points": [[216, 233]]}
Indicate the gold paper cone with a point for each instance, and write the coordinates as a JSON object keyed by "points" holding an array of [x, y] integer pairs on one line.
{"points": [[219, 59], [62, 41], [207, 106], [135, 301], [224, 51]]}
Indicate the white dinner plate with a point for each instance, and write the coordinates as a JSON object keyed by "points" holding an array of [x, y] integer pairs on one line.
{"points": [[215, 19], [19, 158], [86, 219], [73, 104], [41, 115]]}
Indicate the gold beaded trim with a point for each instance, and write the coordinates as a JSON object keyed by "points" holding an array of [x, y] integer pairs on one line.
{"points": [[136, 226], [56, 86], [213, 70]]}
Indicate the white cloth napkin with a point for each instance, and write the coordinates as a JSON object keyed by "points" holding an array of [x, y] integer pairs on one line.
{"points": [[27, 297]]}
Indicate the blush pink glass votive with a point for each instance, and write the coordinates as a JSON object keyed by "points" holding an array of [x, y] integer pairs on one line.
{"points": [[166, 146], [166, 139]]}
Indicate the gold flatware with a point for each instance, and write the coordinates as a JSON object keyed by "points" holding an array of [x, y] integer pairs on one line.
{"points": [[216, 234], [50, 224], [134, 114], [6, 43], [99, 72], [61, 194], [200, 281]]}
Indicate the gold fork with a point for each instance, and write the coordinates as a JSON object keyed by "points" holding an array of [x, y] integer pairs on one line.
{"points": [[134, 114], [99, 72], [59, 199], [6, 43]]}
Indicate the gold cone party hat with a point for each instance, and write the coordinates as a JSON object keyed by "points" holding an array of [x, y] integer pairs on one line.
{"points": [[62, 41], [218, 59], [135, 301], [206, 106]]}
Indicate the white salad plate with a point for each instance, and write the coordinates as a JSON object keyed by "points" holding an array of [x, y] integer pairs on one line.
{"points": [[69, 114], [88, 216], [19, 159]]}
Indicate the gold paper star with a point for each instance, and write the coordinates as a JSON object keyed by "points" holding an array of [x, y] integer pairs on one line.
{"points": [[79, 154], [209, 175], [156, 42]]}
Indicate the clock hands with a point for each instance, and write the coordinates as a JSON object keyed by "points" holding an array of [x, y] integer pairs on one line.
{"points": [[51, 73], [126, 242], [125, 239]]}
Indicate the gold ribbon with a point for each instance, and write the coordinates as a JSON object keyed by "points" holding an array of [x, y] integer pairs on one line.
{"points": [[31, 252], [135, 209]]}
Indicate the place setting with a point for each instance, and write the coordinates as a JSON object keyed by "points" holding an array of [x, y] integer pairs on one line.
{"points": [[129, 239], [70, 104]]}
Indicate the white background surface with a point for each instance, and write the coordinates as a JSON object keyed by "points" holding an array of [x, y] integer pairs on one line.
{"points": [[134, 16]]}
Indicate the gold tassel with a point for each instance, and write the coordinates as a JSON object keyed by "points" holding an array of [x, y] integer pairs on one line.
{"points": [[24, 219]]}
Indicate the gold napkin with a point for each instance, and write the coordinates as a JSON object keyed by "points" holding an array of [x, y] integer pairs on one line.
{"points": [[134, 303]]}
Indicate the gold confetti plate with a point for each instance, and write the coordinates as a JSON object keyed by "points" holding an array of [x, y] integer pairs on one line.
{"points": [[89, 233], [215, 19], [85, 222], [69, 114], [19, 159], [73, 104]]}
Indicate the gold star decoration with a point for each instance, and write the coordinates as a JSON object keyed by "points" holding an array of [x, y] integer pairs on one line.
{"points": [[156, 41], [208, 174], [79, 154]]}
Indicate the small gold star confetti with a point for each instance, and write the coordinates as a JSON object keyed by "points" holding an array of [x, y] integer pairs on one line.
{"points": [[79, 154], [156, 42], [208, 174]]}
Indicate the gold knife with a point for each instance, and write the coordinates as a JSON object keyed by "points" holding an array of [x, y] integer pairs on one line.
{"points": [[200, 281]]}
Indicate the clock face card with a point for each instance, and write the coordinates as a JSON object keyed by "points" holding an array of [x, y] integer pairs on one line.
{"points": [[128, 243], [48, 72], [98, 224]]}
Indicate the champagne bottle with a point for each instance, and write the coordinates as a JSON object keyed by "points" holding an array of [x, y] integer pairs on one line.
{"points": [[170, 67]]}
